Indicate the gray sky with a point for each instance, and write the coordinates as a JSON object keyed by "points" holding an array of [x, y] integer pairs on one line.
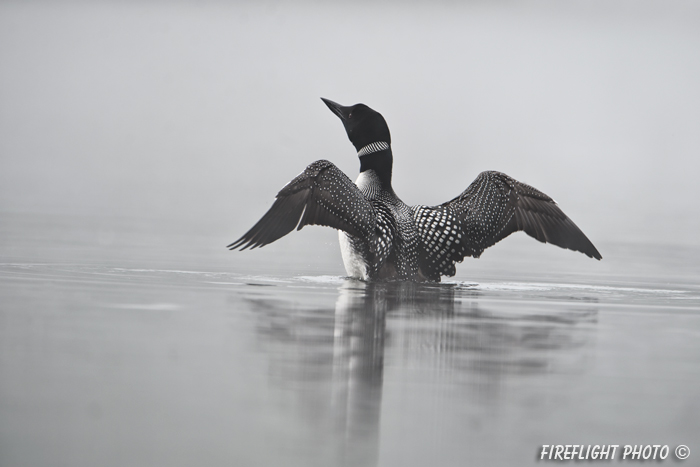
{"points": [[203, 111]]}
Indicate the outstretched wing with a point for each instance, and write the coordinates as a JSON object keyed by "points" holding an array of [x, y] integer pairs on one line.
{"points": [[321, 195], [491, 208]]}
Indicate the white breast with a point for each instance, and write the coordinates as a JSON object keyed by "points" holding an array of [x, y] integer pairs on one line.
{"points": [[355, 265], [367, 181]]}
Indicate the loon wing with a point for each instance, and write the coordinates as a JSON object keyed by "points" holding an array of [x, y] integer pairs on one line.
{"points": [[321, 195], [491, 208]]}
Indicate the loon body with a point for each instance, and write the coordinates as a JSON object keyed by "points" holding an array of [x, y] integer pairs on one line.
{"points": [[383, 238]]}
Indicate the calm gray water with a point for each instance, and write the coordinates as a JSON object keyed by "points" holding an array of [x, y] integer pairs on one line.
{"points": [[141, 343]]}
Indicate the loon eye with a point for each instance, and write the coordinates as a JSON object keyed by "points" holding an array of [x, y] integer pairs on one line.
{"points": [[350, 116]]}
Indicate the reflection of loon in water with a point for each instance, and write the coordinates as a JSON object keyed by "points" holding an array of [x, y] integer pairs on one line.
{"points": [[383, 238], [334, 360]]}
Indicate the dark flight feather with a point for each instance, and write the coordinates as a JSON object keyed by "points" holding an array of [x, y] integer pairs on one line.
{"points": [[321, 195], [491, 208]]}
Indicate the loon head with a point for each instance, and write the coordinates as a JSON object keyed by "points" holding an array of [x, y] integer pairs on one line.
{"points": [[363, 125]]}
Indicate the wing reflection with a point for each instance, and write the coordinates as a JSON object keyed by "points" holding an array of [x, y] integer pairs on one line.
{"points": [[329, 364]]}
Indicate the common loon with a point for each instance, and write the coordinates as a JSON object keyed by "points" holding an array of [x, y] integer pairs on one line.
{"points": [[381, 237]]}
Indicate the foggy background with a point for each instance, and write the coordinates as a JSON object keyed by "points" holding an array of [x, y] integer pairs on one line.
{"points": [[198, 113]]}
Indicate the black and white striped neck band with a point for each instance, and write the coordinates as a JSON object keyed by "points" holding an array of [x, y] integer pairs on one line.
{"points": [[373, 147]]}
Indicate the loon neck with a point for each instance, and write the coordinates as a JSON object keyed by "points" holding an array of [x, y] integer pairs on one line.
{"points": [[377, 157]]}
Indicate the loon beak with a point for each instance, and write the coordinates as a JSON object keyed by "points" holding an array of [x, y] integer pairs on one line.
{"points": [[339, 110]]}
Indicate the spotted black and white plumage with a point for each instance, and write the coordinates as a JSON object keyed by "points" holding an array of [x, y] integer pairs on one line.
{"points": [[321, 195], [491, 208], [383, 238]]}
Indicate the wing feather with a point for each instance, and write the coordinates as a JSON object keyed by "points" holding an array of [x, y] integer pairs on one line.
{"points": [[534, 212], [321, 195], [491, 208]]}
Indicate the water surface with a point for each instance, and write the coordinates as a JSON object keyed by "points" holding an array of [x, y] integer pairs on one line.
{"points": [[122, 345]]}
